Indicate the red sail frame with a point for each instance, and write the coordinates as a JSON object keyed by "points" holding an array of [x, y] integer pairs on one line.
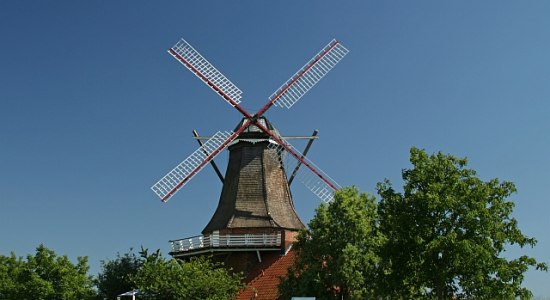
{"points": [[252, 118]]}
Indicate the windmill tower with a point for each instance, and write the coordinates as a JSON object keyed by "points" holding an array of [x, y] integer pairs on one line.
{"points": [[255, 192], [255, 217]]}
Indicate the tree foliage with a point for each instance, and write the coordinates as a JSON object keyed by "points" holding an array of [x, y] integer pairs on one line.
{"points": [[337, 256], [447, 231], [443, 237], [44, 276], [199, 278], [116, 275]]}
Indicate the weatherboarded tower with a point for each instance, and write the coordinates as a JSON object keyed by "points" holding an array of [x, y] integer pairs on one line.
{"points": [[255, 218]]}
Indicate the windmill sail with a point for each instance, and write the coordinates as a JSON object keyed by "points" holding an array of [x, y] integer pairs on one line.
{"points": [[168, 185], [205, 71], [301, 82], [315, 182]]}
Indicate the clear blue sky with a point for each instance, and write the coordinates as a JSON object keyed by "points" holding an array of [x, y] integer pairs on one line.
{"points": [[93, 110]]}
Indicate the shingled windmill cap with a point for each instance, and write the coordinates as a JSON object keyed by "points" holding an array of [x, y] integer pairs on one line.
{"points": [[253, 134]]}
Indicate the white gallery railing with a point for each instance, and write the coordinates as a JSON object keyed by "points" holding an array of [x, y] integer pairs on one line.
{"points": [[217, 240]]}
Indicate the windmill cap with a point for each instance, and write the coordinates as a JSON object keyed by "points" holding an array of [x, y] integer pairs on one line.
{"points": [[253, 131]]}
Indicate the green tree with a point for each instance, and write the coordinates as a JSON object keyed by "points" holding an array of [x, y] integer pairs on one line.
{"points": [[44, 276], [446, 233], [172, 279], [337, 255], [10, 267], [115, 277]]}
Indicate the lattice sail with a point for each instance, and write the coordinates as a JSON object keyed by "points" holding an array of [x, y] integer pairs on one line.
{"points": [[205, 71], [308, 178], [168, 185], [299, 84]]}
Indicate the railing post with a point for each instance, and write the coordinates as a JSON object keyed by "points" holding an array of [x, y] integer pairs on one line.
{"points": [[283, 239], [216, 238]]}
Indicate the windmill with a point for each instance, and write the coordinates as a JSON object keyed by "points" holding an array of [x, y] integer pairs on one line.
{"points": [[255, 210]]}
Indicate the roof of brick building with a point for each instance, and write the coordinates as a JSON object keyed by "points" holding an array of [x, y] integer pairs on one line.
{"points": [[264, 285]]}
